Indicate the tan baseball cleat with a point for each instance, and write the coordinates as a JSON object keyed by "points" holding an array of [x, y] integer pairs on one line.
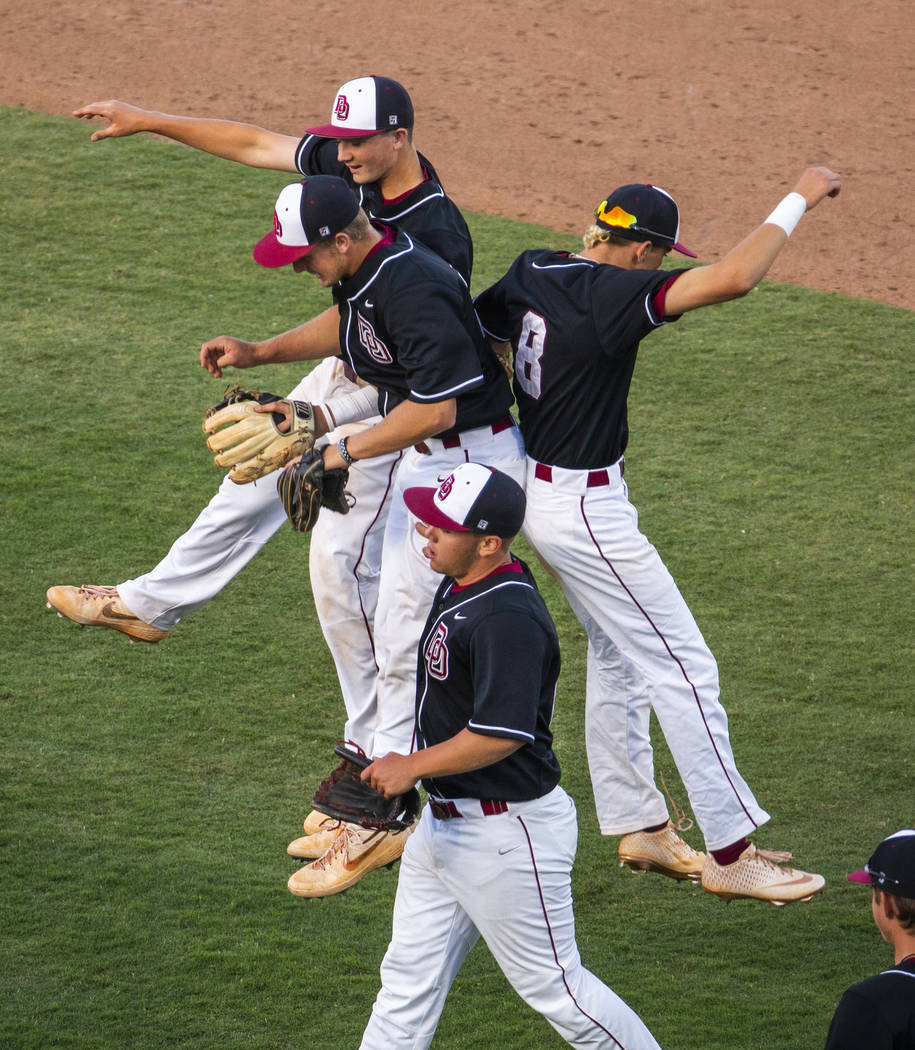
{"points": [[101, 607], [759, 874], [317, 821], [309, 847], [661, 851], [355, 852]]}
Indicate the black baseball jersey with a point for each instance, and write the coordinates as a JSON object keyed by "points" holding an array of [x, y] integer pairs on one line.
{"points": [[425, 212], [877, 1014], [575, 327], [489, 662], [407, 326]]}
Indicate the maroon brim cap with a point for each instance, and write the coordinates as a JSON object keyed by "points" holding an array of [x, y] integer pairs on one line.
{"points": [[334, 131], [860, 876], [421, 502], [269, 252]]}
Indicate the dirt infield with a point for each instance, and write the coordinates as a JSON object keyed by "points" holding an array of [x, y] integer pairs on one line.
{"points": [[535, 110]]}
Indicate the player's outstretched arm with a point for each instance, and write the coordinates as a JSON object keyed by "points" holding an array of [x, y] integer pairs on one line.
{"points": [[316, 338], [746, 265], [245, 143]]}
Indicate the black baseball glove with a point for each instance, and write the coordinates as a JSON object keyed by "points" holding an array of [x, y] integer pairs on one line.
{"points": [[344, 796], [305, 487]]}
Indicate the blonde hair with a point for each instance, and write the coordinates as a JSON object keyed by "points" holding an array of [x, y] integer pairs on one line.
{"points": [[595, 235]]}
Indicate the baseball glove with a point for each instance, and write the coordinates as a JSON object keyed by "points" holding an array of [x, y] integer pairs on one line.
{"points": [[344, 796], [253, 444], [305, 487]]}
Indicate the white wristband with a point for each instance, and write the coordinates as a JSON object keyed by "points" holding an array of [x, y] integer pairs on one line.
{"points": [[348, 408], [788, 212]]}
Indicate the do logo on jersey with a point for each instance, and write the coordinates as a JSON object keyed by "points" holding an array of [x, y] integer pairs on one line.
{"points": [[437, 654], [373, 346], [341, 109]]}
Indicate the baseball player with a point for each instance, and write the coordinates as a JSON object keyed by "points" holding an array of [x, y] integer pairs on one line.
{"points": [[575, 322], [493, 852], [879, 1013], [368, 142], [403, 320]]}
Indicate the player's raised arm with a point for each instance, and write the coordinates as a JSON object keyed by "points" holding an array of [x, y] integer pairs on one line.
{"points": [[746, 264], [245, 143]]}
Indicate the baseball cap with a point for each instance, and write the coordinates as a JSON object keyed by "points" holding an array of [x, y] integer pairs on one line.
{"points": [[891, 867], [640, 212], [306, 213], [366, 106], [474, 498]]}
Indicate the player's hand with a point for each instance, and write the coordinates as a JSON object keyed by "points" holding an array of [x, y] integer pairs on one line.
{"points": [[391, 774], [816, 184], [123, 119], [282, 408], [334, 461], [226, 352]]}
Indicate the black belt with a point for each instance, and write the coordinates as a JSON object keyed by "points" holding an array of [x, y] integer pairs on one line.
{"points": [[449, 811]]}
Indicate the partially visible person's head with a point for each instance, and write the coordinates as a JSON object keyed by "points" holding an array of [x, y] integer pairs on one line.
{"points": [[637, 213], [890, 870], [470, 519], [315, 223]]}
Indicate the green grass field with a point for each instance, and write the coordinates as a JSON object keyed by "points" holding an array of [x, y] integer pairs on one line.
{"points": [[148, 792]]}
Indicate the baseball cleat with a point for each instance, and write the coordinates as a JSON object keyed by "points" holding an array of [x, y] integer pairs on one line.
{"points": [[101, 607], [317, 821], [311, 846], [661, 851], [759, 874], [355, 852]]}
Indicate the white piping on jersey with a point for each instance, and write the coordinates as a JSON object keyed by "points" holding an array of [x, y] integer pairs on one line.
{"points": [[579, 261], [900, 973], [507, 730], [450, 392], [430, 196], [454, 608], [563, 265]]}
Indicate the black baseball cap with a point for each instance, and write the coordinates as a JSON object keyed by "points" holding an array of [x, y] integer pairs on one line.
{"points": [[367, 106], [474, 498], [891, 867], [306, 213], [639, 212]]}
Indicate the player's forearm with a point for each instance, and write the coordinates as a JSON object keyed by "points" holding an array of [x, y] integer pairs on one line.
{"points": [[245, 143], [461, 754], [317, 338], [407, 424]]}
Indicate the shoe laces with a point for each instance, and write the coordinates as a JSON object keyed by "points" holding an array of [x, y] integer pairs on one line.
{"points": [[340, 845], [773, 856], [95, 591], [683, 822]]}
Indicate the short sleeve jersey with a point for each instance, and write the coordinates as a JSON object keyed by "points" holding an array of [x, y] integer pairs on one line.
{"points": [[425, 212], [407, 326], [878, 1013], [489, 662], [575, 327]]}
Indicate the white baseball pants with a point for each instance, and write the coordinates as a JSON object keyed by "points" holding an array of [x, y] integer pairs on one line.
{"points": [[344, 559], [408, 585], [506, 878], [645, 653]]}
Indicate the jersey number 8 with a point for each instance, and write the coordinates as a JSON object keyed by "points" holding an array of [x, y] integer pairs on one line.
{"points": [[529, 352]]}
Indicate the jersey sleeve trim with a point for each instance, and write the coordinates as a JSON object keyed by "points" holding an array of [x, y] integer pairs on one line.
{"points": [[506, 731]]}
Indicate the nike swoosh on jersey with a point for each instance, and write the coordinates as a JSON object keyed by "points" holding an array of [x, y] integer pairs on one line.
{"points": [[458, 616], [510, 849]]}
